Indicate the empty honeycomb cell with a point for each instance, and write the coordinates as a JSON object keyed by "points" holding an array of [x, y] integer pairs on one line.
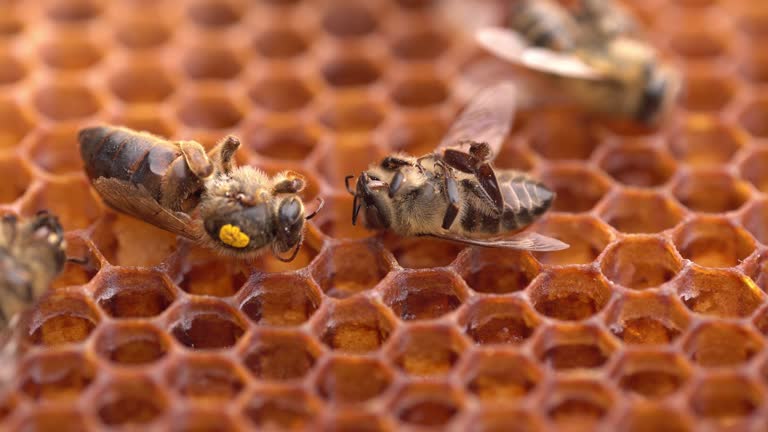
{"points": [[512, 156], [281, 43], [131, 294], [285, 141], [754, 117], [698, 44], [352, 379], [423, 295], [145, 83], [211, 62], [15, 123], [557, 135], [62, 319], [640, 211], [352, 420], [651, 374], [70, 52], [210, 110], [570, 294], [280, 355], [66, 101], [351, 116], [145, 118], [206, 325], [420, 91], [420, 45], [280, 299], [281, 93], [578, 188], [51, 150], [706, 92], [350, 71], [487, 271], [355, 325], [72, 11], [10, 24], [710, 191], [353, 154], [127, 241], [426, 405], [17, 179], [574, 348], [503, 418], [713, 344], [647, 318], [415, 4], [585, 235], [753, 21], [719, 293], [130, 401], [713, 242], [334, 220], [725, 398], [655, 418], [499, 321], [500, 376], [637, 165], [142, 32], [422, 252], [346, 269], [281, 408], [426, 350], [215, 14], [214, 276], [641, 262], [130, 344], [754, 220], [416, 135], [345, 20], [754, 64], [313, 241], [78, 210], [49, 420], [62, 375], [11, 69], [577, 404], [206, 378], [752, 168], [202, 420], [706, 142]]}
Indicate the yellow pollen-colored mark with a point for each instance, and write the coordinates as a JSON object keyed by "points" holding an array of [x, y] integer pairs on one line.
{"points": [[231, 235]]}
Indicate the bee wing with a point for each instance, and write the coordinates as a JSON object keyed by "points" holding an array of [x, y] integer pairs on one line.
{"points": [[530, 241], [136, 201], [487, 118], [511, 47]]}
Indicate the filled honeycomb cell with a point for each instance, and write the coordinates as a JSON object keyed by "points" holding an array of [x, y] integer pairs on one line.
{"points": [[654, 319]]}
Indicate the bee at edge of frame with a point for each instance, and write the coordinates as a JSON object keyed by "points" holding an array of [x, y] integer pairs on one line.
{"points": [[178, 187]]}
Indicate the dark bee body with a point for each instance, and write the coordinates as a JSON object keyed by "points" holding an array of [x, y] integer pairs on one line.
{"points": [[142, 159], [544, 23]]}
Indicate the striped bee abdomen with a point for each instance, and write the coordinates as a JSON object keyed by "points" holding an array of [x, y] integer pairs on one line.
{"points": [[525, 200]]}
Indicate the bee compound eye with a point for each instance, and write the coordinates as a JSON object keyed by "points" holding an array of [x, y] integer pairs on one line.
{"points": [[290, 211]]}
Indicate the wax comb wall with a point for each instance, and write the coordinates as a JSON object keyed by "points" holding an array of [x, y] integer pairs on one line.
{"points": [[654, 319]]}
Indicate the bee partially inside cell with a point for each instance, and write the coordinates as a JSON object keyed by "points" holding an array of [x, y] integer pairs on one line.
{"points": [[204, 197], [454, 193]]}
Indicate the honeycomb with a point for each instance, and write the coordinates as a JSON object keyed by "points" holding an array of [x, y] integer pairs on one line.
{"points": [[654, 320]]}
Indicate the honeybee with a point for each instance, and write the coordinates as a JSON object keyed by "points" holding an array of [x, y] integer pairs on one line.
{"points": [[178, 187], [32, 254], [454, 193], [592, 58]]}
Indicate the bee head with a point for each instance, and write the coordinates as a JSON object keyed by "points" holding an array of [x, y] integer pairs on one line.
{"points": [[46, 232], [372, 196], [660, 90]]}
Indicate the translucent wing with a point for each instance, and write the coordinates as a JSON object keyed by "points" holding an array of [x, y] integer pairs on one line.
{"points": [[530, 241], [136, 201], [510, 46], [487, 118]]}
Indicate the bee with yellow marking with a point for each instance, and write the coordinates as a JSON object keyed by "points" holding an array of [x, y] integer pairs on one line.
{"points": [[177, 186]]}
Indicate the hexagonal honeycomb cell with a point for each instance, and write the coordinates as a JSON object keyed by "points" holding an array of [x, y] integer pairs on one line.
{"points": [[655, 319]]}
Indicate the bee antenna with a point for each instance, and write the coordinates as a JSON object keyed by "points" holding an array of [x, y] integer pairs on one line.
{"points": [[293, 254], [317, 210], [346, 183], [356, 204]]}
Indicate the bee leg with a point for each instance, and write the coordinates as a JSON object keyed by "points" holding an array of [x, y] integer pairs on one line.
{"points": [[490, 185], [393, 163], [452, 191], [346, 184], [178, 185], [197, 160], [459, 160], [224, 152], [292, 182], [481, 151]]}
